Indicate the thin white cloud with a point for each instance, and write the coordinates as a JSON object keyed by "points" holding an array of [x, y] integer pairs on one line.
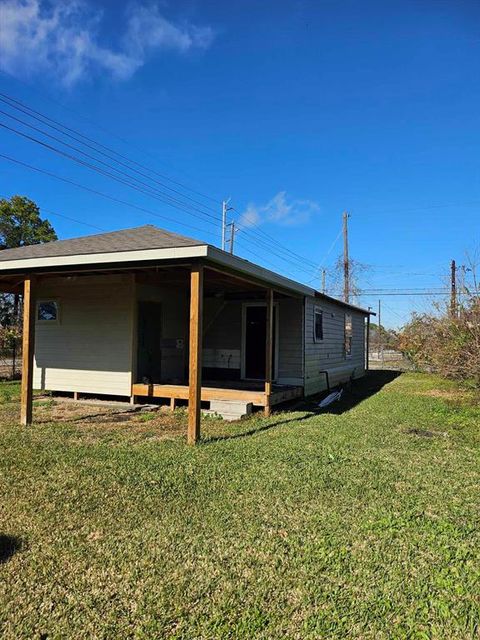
{"points": [[280, 210], [62, 39]]}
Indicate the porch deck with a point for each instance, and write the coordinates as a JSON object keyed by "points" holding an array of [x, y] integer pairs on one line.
{"points": [[219, 390]]}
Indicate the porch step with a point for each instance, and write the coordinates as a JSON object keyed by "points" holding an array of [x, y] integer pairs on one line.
{"points": [[230, 409]]}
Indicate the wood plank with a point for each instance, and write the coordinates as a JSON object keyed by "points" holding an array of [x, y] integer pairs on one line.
{"points": [[28, 342], [283, 396], [181, 392], [195, 353], [269, 352]]}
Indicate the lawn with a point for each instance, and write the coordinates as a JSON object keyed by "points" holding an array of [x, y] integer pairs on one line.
{"points": [[359, 523]]}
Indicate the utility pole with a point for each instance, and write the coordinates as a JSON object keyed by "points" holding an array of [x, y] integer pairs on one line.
{"points": [[346, 261], [324, 280], [233, 230], [453, 290], [225, 209], [367, 341]]}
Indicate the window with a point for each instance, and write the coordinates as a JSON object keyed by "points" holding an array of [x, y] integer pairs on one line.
{"points": [[47, 311], [348, 335], [318, 325]]}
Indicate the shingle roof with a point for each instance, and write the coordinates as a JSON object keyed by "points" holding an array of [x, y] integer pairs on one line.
{"points": [[138, 238]]}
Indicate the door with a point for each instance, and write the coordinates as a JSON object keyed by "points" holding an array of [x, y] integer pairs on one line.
{"points": [[255, 341], [149, 354]]}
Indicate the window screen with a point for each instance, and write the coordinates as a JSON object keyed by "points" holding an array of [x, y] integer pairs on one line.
{"points": [[47, 311], [318, 325], [348, 334]]}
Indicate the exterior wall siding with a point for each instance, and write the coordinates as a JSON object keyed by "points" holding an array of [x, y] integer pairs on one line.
{"points": [[329, 353], [290, 341], [222, 347], [174, 330], [90, 349]]}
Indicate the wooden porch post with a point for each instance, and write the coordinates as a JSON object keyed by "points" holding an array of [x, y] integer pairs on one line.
{"points": [[195, 354], [367, 344], [269, 352], [27, 350]]}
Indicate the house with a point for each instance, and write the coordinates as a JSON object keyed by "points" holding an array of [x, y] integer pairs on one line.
{"points": [[144, 312]]}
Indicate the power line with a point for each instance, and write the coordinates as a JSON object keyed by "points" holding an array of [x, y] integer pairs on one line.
{"points": [[380, 289], [178, 183], [126, 182], [61, 215], [300, 258], [100, 193], [403, 293], [173, 202], [167, 198], [60, 128], [44, 120], [115, 199]]}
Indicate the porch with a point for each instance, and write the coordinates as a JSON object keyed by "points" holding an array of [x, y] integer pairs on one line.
{"points": [[178, 331], [213, 390]]}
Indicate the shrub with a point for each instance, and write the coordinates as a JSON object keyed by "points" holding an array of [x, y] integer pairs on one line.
{"points": [[448, 344]]}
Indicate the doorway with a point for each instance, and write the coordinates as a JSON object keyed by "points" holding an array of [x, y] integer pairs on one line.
{"points": [[254, 341], [149, 349]]}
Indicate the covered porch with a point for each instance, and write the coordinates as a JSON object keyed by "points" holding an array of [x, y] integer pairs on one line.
{"points": [[197, 332]]}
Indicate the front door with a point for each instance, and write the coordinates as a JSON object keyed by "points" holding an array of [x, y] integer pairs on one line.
{"points": [[149, 355], [255, 341]]}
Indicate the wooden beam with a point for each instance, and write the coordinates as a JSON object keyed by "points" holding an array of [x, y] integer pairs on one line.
{"points": [[28, 349], [195, 353], [367, 344], [269, 352], [260, 284], [181, 392]]}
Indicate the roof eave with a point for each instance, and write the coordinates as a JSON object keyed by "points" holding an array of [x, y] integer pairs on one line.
{"points": [[97, 259], [256, 271], [27, 265]]}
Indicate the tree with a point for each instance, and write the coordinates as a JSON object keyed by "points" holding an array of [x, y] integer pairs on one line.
{"points": [[20, 225], [356, 270]]}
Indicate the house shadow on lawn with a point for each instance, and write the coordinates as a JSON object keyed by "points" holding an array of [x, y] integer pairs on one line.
{"points": [[354, 393], [357, 391], [9, 545]]}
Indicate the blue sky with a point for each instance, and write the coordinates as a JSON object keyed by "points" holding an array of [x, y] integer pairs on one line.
{"points": [[296, 110]]}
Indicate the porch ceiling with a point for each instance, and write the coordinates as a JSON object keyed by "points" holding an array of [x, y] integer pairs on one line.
{"points": [[216, 282]]}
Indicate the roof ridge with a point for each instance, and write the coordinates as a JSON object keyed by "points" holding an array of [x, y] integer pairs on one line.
{"points": [[142, 237]]}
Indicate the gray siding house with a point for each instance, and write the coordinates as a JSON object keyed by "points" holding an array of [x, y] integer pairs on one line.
{"points": [[148, 313]]}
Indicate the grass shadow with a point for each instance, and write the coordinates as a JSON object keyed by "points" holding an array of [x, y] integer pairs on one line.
{"points": [[357, 391], [9, 545], [354, 393], [251, 432]]}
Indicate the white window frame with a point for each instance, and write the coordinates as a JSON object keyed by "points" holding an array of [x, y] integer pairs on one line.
{"points": [[47, 322], [317, 309], [347, 315], [276, 346]]}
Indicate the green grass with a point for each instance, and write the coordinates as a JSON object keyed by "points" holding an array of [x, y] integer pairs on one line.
{"points": [[358, 524]]}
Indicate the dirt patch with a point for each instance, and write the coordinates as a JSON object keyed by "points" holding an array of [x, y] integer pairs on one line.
{"points": [[424, 433], [444, 394], [95, 423]]}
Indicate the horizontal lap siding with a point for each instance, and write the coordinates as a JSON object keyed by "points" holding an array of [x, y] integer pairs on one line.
{"points": [[90, 349], [290, 341], [223, 337], [328, 354]]}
